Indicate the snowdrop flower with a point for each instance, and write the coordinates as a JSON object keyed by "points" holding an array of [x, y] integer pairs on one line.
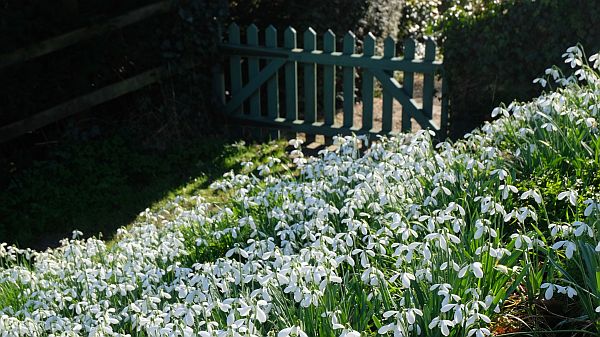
{"points": [[349, 333], [520, 239], [570, 195], [443, 324], [499, 111], [292, 331], [560, 230], [573, 56], [475, 267], [569, 245], [502, 173], [549, 290], [506, 189], [591, 206], [581, 228], [541, 81], [532, 194], [479, 332], [482, 228]]}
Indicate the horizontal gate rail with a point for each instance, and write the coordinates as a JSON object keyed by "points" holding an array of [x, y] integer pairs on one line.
{"points": [[335, 58], [255, 96]]}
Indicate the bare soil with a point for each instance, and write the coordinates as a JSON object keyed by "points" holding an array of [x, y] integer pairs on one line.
{"points": [[397, 109]]}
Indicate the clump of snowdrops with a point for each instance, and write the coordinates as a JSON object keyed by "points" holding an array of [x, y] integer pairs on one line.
{"points": [[405, 238]]}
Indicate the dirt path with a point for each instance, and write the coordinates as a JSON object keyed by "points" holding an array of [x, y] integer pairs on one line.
{"points": [[397, 109], [396, 112]]}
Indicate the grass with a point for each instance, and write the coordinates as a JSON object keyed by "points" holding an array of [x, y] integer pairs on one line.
{"points": [[100, 185]]}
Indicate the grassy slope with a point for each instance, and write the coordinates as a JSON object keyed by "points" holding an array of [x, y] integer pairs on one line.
{"points": [[101, 185]]}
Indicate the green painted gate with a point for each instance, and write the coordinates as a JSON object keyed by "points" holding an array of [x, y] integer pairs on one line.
{"points": [[261, 81]]}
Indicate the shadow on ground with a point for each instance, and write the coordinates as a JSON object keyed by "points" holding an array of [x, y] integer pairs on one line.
{"points": [[100, 185]]}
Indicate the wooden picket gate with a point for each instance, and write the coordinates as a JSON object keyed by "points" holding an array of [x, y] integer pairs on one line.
{"points": [[259, 85]]}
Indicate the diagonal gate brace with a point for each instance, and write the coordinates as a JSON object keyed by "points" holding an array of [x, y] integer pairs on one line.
{"points": [[254, 85], [395, 89]]}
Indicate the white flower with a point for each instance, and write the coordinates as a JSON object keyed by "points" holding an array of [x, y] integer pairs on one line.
{"points": [[570, 247], [506, 189], [596, 59], [581, 228], [479, 332], [499, 111], [541, 81], [549, 290], [442, 324], [292, 331], [475, 267], [570, 194], [532, 194], [591, 206]]}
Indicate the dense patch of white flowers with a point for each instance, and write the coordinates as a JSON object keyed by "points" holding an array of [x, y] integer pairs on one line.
{"points": [[401, 238]]}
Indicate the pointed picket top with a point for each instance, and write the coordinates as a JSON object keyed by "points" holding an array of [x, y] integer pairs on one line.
{"points": [[389, 47], [289, 37], [429, 49], [349, 43], [329, 41], [409, 49], [252, 35], [271, 36], [234, 33], [310, 39], [369, 47]]}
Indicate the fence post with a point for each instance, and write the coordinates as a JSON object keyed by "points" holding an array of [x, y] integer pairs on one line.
{"points": [[428, 83], [329, 80], [445, 110], [408, 82], [389, 51], [253, 69], [348, 86], [310, 83], [367, 85], [273, 83], [291, 80]]}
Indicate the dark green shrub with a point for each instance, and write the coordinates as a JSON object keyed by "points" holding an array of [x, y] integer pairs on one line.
{"points": [[361, 16], [493, 53]]}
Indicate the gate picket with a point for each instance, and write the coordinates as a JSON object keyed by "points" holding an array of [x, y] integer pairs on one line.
{"points": [[408, 83], [428, 90], [348, 86], [329, 80], [372, 67], [291, 74], [273, 83], [389, 51], [253, 69], [367, 85]]}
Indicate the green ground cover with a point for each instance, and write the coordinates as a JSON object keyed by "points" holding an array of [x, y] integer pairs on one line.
{"points": [[100, 185], [498, 233]]}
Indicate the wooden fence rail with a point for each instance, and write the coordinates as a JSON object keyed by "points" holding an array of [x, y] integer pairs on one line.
{"points": [[92, 99], [65, 40], [264, 64]]}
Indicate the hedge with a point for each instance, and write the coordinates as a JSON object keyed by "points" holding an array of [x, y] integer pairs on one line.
{"points": [[491, 55], [381, 17]]}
